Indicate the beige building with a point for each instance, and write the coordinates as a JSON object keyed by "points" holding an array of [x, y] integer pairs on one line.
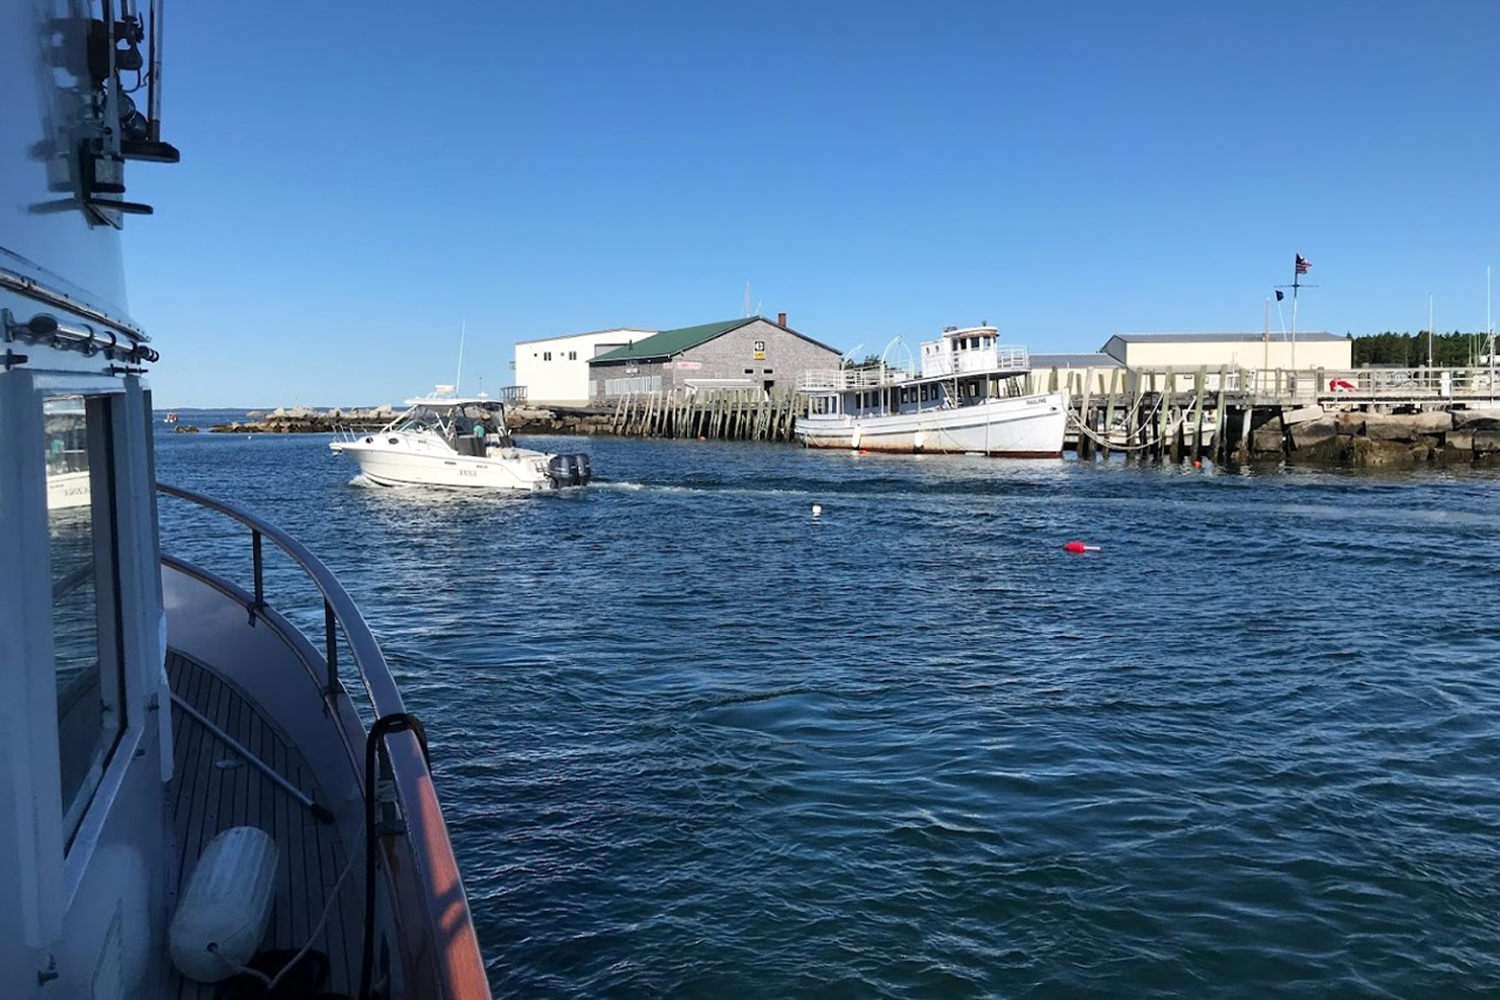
{"points": [[554, 371], [1232, 350]]}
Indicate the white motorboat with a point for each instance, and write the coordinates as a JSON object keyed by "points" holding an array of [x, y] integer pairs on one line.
{"points": [[969, 397], [195, 806], [67, 453], [450, 440]]}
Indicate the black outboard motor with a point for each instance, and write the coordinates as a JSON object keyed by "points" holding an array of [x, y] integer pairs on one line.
{"points": [[569, 470]]}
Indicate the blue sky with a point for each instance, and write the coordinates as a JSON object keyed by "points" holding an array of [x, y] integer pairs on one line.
{"points": [[358, 179]]}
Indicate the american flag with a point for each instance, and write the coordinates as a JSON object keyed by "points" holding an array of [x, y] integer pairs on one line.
{"points": [[1303, 264]]}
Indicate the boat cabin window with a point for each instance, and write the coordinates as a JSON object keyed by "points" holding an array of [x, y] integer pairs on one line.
{"points": [[85, 619]]}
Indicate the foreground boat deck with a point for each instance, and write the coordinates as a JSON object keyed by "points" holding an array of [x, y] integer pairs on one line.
{"points": [[213, 789]]}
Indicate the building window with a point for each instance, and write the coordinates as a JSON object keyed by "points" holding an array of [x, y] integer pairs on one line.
{"points": [[765, 371], [639, 383], [546, 355], [572, 355], [749, 371]]}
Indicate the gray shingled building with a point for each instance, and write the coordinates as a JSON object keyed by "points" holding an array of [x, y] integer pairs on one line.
{"points": [[752, 353]]}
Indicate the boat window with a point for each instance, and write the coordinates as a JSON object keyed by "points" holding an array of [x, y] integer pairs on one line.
{"points": [[85, 619]]}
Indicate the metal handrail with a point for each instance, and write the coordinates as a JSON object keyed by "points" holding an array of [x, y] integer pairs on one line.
{"points": [[845, 379], [446, 904]]}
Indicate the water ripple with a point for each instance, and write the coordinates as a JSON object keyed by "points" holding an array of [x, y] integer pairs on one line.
{"points": [[694, 741]]}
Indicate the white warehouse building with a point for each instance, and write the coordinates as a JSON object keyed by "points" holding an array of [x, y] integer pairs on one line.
{"points": [[554, 371], [1232, 350]]}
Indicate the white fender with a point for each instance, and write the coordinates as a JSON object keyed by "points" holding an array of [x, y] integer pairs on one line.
{"points": [[223, 913]]}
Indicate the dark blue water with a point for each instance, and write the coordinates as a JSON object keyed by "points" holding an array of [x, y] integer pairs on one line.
{"points": [[693, 741]]}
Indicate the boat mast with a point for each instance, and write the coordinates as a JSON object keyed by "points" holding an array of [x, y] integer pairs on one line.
{"points": [[463, 328]]}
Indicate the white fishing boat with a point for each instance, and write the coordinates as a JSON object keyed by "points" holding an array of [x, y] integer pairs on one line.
{"points": [[450, 440], [969, 396], [195, 806]]}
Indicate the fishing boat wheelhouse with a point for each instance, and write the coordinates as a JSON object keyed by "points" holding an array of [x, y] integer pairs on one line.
{"points": [[969, 396], [199, 797]]}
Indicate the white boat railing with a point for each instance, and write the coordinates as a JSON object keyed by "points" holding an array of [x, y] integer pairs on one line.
{"points": [[1006, 358], [428, 893], [849, 379], [1002, 359]]}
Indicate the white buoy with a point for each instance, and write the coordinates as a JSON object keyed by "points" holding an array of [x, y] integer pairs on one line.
{"points": [[817, 510]]}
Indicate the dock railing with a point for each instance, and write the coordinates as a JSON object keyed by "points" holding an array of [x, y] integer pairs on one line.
{"points": [[1369, 385]]}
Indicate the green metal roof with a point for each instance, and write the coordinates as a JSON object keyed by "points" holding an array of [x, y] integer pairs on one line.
{"points": [[672, 342]]}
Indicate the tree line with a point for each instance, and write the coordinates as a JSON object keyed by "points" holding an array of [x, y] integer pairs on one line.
{"points": [[1449, 350]]}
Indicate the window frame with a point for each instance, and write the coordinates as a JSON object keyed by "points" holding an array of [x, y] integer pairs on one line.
{"points": [[53, 861], [100, 419]]}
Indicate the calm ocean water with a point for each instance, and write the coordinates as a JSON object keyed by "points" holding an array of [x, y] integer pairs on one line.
{"points": [[694, 742]]}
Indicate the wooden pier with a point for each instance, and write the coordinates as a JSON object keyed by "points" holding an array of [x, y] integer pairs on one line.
{"points": [[716, 415], [1232, 414], [1369, 416]]}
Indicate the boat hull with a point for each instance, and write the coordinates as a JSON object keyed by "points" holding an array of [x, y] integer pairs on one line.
{"points": [[1018, 427], [386, 467], [67, 490]]}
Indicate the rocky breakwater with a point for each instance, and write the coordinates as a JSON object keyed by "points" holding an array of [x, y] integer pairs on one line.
{"points": [[558, 420], [1369, 439], [304, 420]]}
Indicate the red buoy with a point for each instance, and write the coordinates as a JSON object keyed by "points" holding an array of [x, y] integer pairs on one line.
{"points": [[1078, 548]]}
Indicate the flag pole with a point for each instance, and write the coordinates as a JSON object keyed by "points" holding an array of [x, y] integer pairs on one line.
{"points": [[1296, 279], [1265, 361]]}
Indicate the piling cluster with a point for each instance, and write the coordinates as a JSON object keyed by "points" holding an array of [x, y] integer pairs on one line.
{"points": [[724, 415]]}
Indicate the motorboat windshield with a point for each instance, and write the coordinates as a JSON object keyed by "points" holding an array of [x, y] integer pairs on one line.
{"points": [[452, 418]]}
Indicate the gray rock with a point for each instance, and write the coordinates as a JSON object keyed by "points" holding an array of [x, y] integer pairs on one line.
{"points": [[1432, 421], [1350, 422], [1313, 432], [1267, 439], [1475, 420], [1486, 440]]}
